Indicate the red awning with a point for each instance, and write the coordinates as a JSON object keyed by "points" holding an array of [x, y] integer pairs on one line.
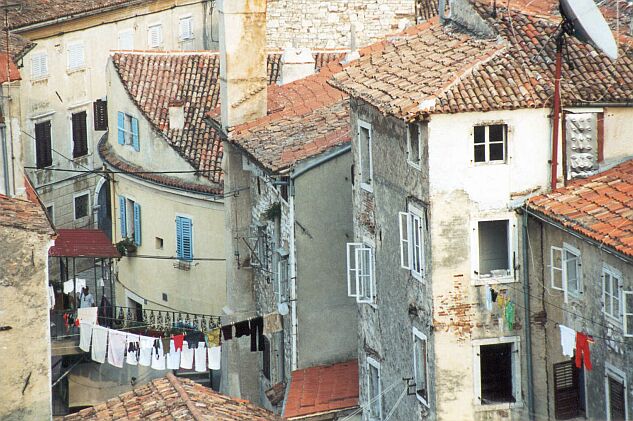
{"points": [[82, 243]]}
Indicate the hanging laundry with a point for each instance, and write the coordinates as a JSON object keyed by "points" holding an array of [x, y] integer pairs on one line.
{"points": [[215, 357], [567, 340], [494, 295], [158, 355], [201, 357], [133, 348], [173, 358], [116, 347], [80, 284], [85, 334], [145, 350], [501, 301], [186, 357], [213, 338], [88, 314], [257, 328], [99, 342], [178, 339], [194, 338], [68, 287], [227, 332], [582, 350], [488, 298], [242, 328], [272, 323], [51, 297], [510, 310]]}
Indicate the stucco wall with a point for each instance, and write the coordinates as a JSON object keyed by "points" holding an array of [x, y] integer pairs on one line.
{"points": [[618, 131], [24, 349]]}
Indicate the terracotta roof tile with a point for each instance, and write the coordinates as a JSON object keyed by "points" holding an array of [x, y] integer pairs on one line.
{"points": [[173, 398], [24, 214], [321, 389], [599, 207]]}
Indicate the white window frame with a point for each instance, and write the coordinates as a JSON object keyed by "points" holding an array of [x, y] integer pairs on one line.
{"points": [[487, 144], [513, 247], [407, 226], [613, 273], [372, 362], [355, 285], [126, 32], [43, 57], [418, 335], [417, 165], [627, 312], [69, 53], [281, 284], [567, 248], [180, 20], [152, 27], [611, 371], [365, 186], [516, 373], [75, 196]]}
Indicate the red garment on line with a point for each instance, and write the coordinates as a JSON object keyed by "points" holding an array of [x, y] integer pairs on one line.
{"points": [[582, 350], [178, 339]]}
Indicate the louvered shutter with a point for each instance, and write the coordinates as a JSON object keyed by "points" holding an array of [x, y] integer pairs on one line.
{"points": [[155, 36], [100, 108], [137, 224], [121, 127], [616, 400], [566, 396], [43, 151], [184, 243], [135, 142], [80, 135], [627, 306], [186, 28], [75, 56], [39, 65], [123, 215]]}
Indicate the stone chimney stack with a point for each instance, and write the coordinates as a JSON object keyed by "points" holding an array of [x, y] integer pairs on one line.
{"points": [[243, 56], [296, 63]]}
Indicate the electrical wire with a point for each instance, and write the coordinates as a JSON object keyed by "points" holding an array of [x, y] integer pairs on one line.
{"points": [[395, 406], [361, 408], [123, 172]]}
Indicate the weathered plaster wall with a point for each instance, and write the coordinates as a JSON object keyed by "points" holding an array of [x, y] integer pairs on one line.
{"points": [[24, 349], [618, 129]]}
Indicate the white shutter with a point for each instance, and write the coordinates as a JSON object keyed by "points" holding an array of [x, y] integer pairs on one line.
{"points": [[155, 36], [628, 313], [556, 268], [39, 65], [364, 274], [126, 40], [352, 269], [186, 28], [75, 55], [405, 243]]}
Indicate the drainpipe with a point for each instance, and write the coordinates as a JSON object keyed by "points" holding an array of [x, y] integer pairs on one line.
{"points": [[5, 163], [528, 330], [293, 279]]}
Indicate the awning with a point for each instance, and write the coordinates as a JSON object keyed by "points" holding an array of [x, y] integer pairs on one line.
{"points": [[82, 243]]}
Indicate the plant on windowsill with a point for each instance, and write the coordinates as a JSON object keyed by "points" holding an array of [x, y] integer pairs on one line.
{"points": [[126, 246], [273, 212]]}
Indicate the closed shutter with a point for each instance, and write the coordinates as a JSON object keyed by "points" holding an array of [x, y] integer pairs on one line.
{"points": [[137, 224], [80, 135], [184, 245], [39, 65], [186, 28], [616, 400], [75, 56], [123, 215], [121, 127], [43, 150], [566, 396], [101, 114], [155, 36], [135, 143], [126, 40]]}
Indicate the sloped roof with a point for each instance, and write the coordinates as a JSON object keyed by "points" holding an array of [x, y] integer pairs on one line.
{"points": [[24, 214], [599, 207], [82, 243], [173, 398], [442, 69], [305, 118], [322, 389]]}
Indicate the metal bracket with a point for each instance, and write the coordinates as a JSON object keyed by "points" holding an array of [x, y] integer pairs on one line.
{"points": [[410, 384]]}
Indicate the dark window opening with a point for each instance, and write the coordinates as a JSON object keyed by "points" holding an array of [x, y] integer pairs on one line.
{"points": [[494, 257], [490, 143], [43, 149], [80, 135], [266, 358], [414, 144], [101, 114], [283, 187], [496, 373], [81, 206]]}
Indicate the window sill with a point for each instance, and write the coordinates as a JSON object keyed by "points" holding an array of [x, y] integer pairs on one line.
{"points": [[182, 265], [39, 79], [414, 165], [76, 70], [483, 164], [613, 321], [479, 281], [498, 406], [367, 187]]}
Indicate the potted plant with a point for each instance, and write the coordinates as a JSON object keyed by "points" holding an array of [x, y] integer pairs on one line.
{"points": [[126, 246]]}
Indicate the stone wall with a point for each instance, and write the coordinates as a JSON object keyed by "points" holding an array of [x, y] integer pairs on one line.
{"points": [[25, 348]]}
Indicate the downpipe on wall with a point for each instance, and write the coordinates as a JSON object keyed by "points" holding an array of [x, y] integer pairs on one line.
{"points": [[528, 330]]}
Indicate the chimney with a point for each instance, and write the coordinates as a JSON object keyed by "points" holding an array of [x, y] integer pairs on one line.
{"points": [[243, 78], [176, 115], [296, 63]]}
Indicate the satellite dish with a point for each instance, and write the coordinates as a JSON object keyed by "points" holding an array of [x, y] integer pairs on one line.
{"points": [[589, 25], [283, 309]]}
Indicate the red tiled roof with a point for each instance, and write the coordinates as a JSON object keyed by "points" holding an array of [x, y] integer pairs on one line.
{"points": [[305, 118], [174, 398], [599, 207], [322, 389], [24, 214], [82, 243], [13, 74], [441, 69]]}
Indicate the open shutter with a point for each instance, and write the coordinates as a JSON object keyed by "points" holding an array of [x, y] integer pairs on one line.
{"points": [[566, 396], [628, 313], [474, 249], [100, 108], [405, 242], [121, 127], [122, 212], [556, 268], [352, 269], [364, 275], [187, 243], [137, 224], [135, 143], [179, 237]]}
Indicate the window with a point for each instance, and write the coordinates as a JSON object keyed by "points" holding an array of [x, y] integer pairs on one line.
{"points": [[490, 143], [493, 250], [39, 65], [628, 313], [185, 28], [374, 389], [80, 134], [497, 372], [565, 271], [184, 238], [361, 282], [76, 56], [568, 390], [43, 149], [266, 357], [364, 150], [82, 205], [412, 229], [100, 107], [420, 365], [155, 35], [611, 295], [50, 210], [282, 279], [126, 40], [128, 131], [130, 216], [415, 138], [615, 389]]}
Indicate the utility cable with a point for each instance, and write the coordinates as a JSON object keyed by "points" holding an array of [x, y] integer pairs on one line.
{"points": [[368, 404], [395, 406]]}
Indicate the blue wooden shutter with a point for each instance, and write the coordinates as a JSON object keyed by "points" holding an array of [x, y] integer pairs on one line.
{"points": [[137, 224], [179, 237], [121, 128], [122, 213], [184, 243], [135, 143]]}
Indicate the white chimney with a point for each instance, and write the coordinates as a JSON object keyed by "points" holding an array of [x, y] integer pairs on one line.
{"points": [[296, 63], [243, 78], [176, 115]]}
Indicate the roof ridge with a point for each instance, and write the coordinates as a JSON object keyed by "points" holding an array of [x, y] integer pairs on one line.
{"points": [[195, 413]]}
